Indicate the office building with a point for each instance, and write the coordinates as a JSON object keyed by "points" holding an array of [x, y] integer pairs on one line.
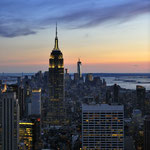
{"points": [[21, 100], [88, 78], [141, 92], [79, 69], [9, 121], [115, 93], [67, 76], [55, 111], [147, 133], [76, 77], [36, 102], [30, 134], [26, 135], [102, 127]]}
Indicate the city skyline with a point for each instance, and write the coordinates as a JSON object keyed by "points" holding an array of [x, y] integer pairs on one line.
{"points": [[115, 42]]}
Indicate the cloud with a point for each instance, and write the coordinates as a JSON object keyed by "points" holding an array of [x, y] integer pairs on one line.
{"points": [[97, 16], [13, 32], [19, 18]]}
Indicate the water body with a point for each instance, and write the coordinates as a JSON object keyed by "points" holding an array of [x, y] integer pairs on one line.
{"points": [[11, 78], [126, 80]]}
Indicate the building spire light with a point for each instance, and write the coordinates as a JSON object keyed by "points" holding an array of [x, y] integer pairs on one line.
{"points": [[56, 29], [56, 40]]}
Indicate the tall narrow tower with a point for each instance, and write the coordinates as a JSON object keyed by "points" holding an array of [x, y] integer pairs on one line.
{"points": [[56, 72], [56, 110], [79, 68]]}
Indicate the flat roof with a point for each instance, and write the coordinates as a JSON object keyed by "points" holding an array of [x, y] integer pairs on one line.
{"points": [[102, 107]]}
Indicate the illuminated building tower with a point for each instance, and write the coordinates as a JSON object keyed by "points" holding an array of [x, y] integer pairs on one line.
{"points": [[30, 134], [88, 78], [102, 127], [36, 102], [26, 133], [79, 68], [9, 121], [147, 133], [4, 89], [56, 111], [67, 76]]}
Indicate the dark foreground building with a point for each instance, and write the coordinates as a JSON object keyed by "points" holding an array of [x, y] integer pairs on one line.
{"points": [[147, 133]]}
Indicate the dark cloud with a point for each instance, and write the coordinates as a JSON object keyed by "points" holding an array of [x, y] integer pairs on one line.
{"points": [[94, 17], [19, 18], [10, 29], [15, 32]]}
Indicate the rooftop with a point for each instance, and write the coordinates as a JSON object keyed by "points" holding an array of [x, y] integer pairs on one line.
{"points": [[102, 107]]}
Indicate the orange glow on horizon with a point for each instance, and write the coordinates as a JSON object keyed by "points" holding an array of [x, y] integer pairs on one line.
{"points": [[75, 62]]}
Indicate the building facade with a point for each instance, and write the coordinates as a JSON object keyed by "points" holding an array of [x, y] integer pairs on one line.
{"points": [[21, 100], [147, 133], [102, 127], [9, 121], [26, 135], [141, 93], [79, 68], [56, 111], [115, 93], [36, 102]]}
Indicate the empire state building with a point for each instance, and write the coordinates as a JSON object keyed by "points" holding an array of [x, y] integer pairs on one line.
{"points": [[56, 73], [56, 111]]}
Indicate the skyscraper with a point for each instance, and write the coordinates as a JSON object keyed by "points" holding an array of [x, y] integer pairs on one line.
{"points": [[21, 100], [115, 93], [147, 133], [26, 134], [9, 121], [141, 93], [36, 102], [89, 78], [79, 68], [56, 111], [102, 127]]}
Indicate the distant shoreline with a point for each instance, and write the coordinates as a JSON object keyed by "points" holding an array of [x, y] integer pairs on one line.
{"points": [[94, 74]]}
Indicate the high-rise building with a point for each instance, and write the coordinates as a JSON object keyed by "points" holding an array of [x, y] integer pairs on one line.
{"points": [[89, 78], [76, 77], [147, 133], [115, 93], [30, 134], [26, 133], [79, 68], [102, 127], [141, 93], [55, 110], [67, 76], [1, 82], [9, 121], [27, 99], [36, 102], [21, 100]]}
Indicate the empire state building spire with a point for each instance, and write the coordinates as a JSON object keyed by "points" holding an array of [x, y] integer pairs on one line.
{"points": [[56, 40], [56, 109]]}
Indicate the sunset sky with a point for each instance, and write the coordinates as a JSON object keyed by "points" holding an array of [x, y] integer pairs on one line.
{"points": [[107, 35]]}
